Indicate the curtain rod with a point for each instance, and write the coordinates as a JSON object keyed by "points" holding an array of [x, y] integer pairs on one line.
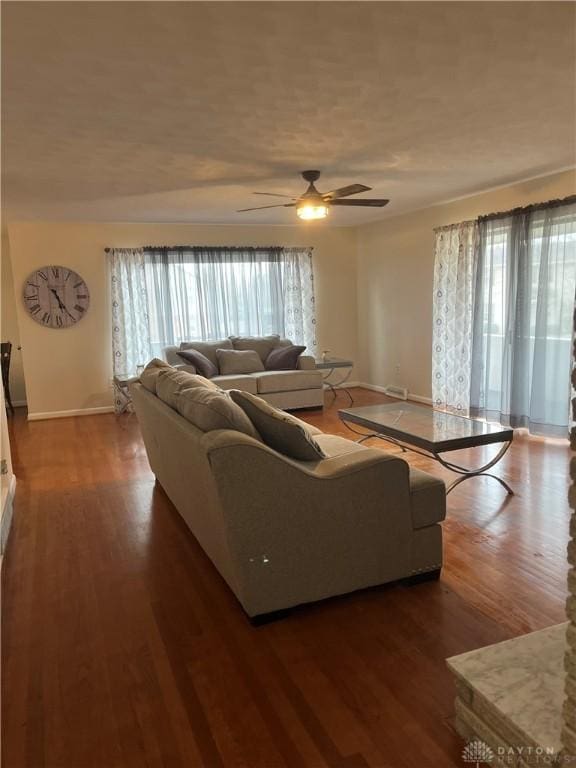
{"points": [[529, 208], [222, 248], [512, 212], [451, 226]]}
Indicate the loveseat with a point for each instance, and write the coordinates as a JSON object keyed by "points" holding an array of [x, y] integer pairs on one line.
{"points": [[284, 531], [287, 389]]}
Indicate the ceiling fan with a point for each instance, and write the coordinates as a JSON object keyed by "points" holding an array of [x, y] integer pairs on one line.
{"points": [[316, 205]]}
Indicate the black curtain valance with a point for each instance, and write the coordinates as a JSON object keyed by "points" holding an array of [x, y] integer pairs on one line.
{"points": [[529, 208], [219, 249]]}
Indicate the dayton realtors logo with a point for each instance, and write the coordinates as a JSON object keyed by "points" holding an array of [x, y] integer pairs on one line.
{"points": [[477, 753]]}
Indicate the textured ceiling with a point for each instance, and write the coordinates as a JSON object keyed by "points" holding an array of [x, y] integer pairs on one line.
{"points": [[159, 111]]}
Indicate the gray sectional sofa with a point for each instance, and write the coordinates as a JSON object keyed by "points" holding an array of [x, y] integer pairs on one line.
{"points": [[283, 531], [300, 388]]}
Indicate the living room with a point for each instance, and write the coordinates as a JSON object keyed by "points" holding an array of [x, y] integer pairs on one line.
{"points": [[152, 613]]}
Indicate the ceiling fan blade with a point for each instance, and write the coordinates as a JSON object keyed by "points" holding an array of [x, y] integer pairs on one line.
{"points": [[351, 189], [274, 194], [261, 207], [369, 202]]}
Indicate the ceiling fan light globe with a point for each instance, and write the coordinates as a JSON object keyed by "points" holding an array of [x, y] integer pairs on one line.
{"points": [[309, 211]]}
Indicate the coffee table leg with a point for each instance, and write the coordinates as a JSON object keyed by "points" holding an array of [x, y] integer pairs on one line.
{"points": [[372, 435], [466, 473]]}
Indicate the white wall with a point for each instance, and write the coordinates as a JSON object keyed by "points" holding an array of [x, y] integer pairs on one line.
{"points": [[9, 330], [70, 369], [395, 280]]}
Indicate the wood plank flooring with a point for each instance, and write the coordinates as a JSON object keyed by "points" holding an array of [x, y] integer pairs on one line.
{"points": [[122, 646]]}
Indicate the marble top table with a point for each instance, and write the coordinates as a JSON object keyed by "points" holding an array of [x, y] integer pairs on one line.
{"points": [[510, 695]]}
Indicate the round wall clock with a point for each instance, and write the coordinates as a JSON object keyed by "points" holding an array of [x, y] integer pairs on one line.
{"points": [[56, 297]]}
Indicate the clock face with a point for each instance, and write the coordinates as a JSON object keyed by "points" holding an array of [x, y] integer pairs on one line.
{"points": [[56, 297]]}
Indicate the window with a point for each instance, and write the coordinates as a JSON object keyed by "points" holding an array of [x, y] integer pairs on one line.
{"points": [[163, 296]]}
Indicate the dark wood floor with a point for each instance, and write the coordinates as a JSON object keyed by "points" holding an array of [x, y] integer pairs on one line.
{"points": [[121, 645]]}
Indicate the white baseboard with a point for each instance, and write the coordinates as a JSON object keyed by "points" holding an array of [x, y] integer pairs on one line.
{"points": [[7, 514], [67, 414], [378, 388], [420, 399]]}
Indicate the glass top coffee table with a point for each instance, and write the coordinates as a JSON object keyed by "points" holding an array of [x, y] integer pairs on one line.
{"points": [[431, 433]]}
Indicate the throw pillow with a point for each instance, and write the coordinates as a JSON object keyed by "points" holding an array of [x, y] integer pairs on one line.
{"points": [[278, 429], [284, 358], [208, 348], [233, 361], [210, 409], [261, 344], [203, 365], [171, 382], [149, 375]]}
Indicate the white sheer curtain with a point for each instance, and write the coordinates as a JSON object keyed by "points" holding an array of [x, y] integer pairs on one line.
{"points": [[525, 289], [163, 296], [454, 271], [131, 342]]}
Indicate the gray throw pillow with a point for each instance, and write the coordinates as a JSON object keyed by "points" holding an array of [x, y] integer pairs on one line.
{"points": [[171, 382], [208, 348], [284, 358], [203, 365], [261, 344], [149, 376], [232, 361], [278, 429], [210, 409]]}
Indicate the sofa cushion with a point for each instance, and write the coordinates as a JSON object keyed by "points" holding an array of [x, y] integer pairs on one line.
{"points": [[288, 381], [149, 376], [427, 499], [234, 361], [171, 382], [284, 358], [210, 409], [203, 365], [279, 430], [246, 383], [208, 348], [261, 344]]}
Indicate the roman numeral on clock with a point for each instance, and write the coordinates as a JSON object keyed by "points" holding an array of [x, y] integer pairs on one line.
{"points": [[78, 308]]}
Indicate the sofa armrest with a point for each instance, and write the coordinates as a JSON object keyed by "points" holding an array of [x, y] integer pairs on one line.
{"points": [[306, 363], [325, 469], [300, 531]]}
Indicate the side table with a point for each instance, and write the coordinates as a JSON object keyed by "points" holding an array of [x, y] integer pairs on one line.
{"points": [[122, 399], [330, 366]]}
